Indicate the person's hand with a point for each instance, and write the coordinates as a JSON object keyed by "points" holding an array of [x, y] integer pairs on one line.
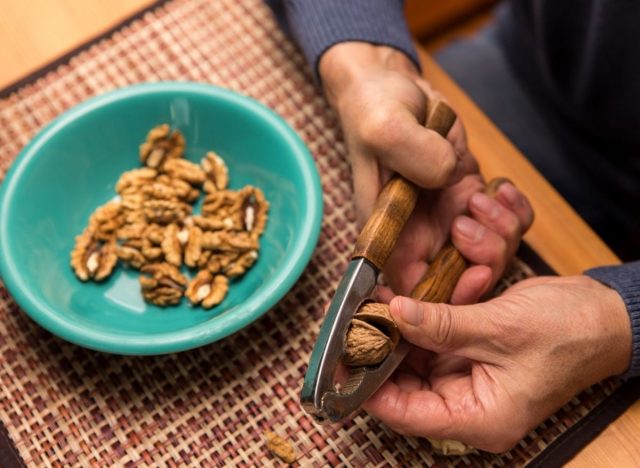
{"points": [[381, 101], [486, 374]]}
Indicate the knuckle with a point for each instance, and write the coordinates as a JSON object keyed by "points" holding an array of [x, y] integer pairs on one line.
{"points": [[443, 326], [501, 251], [377, 130], [447, 166], [442, 165], [511, 225]]}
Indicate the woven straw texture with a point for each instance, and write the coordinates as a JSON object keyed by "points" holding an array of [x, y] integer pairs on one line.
{"points": [[64, 405]]}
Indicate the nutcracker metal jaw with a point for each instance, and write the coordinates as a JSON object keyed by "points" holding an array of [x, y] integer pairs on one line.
{"points": [[321, 396]]}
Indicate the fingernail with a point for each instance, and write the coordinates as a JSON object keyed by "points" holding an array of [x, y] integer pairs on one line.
{"points": [[511, 194], [411, 311], [486, 205], [469, 228]]}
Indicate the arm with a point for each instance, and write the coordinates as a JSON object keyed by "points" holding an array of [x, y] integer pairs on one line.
{"points": [[318, 25]]}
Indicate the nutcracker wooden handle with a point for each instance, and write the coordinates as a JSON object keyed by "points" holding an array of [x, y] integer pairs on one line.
{"points": [[397, 201], [445, 269]]}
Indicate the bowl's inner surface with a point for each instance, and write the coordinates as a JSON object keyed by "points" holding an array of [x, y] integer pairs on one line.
{"points": [[76, 171]]}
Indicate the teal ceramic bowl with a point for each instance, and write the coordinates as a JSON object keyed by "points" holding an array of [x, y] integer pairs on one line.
{"points": [[71, 167]]}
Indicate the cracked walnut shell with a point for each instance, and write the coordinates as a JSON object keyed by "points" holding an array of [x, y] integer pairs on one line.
{"points": [[373, 334]]}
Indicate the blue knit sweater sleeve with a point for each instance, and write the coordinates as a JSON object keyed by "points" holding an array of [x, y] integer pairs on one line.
{"points": [[626, 280], [316, 25]]}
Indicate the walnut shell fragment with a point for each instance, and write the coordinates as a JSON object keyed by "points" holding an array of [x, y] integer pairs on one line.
{"points": [[93, 258], [162, 144], [450, 447], [207, 290], [371, 337], [280, 447], [162, 284], [216, 172]]}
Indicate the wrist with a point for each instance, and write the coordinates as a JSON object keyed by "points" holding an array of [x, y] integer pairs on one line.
{"points": [[348, 63], [615, 324]]}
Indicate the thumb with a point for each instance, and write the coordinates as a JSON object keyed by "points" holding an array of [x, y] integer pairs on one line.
{"points": [[467, 331]]}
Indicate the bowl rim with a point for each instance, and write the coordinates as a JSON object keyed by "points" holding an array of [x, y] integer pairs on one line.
{"points": [[202, 333]]}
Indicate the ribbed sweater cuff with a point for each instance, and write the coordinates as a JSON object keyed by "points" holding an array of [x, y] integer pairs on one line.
{"points": [[319, 24], [625, 279]]}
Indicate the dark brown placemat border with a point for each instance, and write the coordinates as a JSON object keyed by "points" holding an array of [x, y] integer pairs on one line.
{"points": [[9, 455], [63, 59], [557, 453]]}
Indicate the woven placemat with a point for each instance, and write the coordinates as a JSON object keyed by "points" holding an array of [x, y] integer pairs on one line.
{"points": [[63, 405]]}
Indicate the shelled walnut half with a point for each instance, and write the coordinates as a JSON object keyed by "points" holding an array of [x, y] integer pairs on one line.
{"points": [[162, 284], [162, 144], [149, 226], [207, 290], [93, 258]]}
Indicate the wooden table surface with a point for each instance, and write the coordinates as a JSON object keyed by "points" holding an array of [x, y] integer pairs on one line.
{"points": [[34, 33]]}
